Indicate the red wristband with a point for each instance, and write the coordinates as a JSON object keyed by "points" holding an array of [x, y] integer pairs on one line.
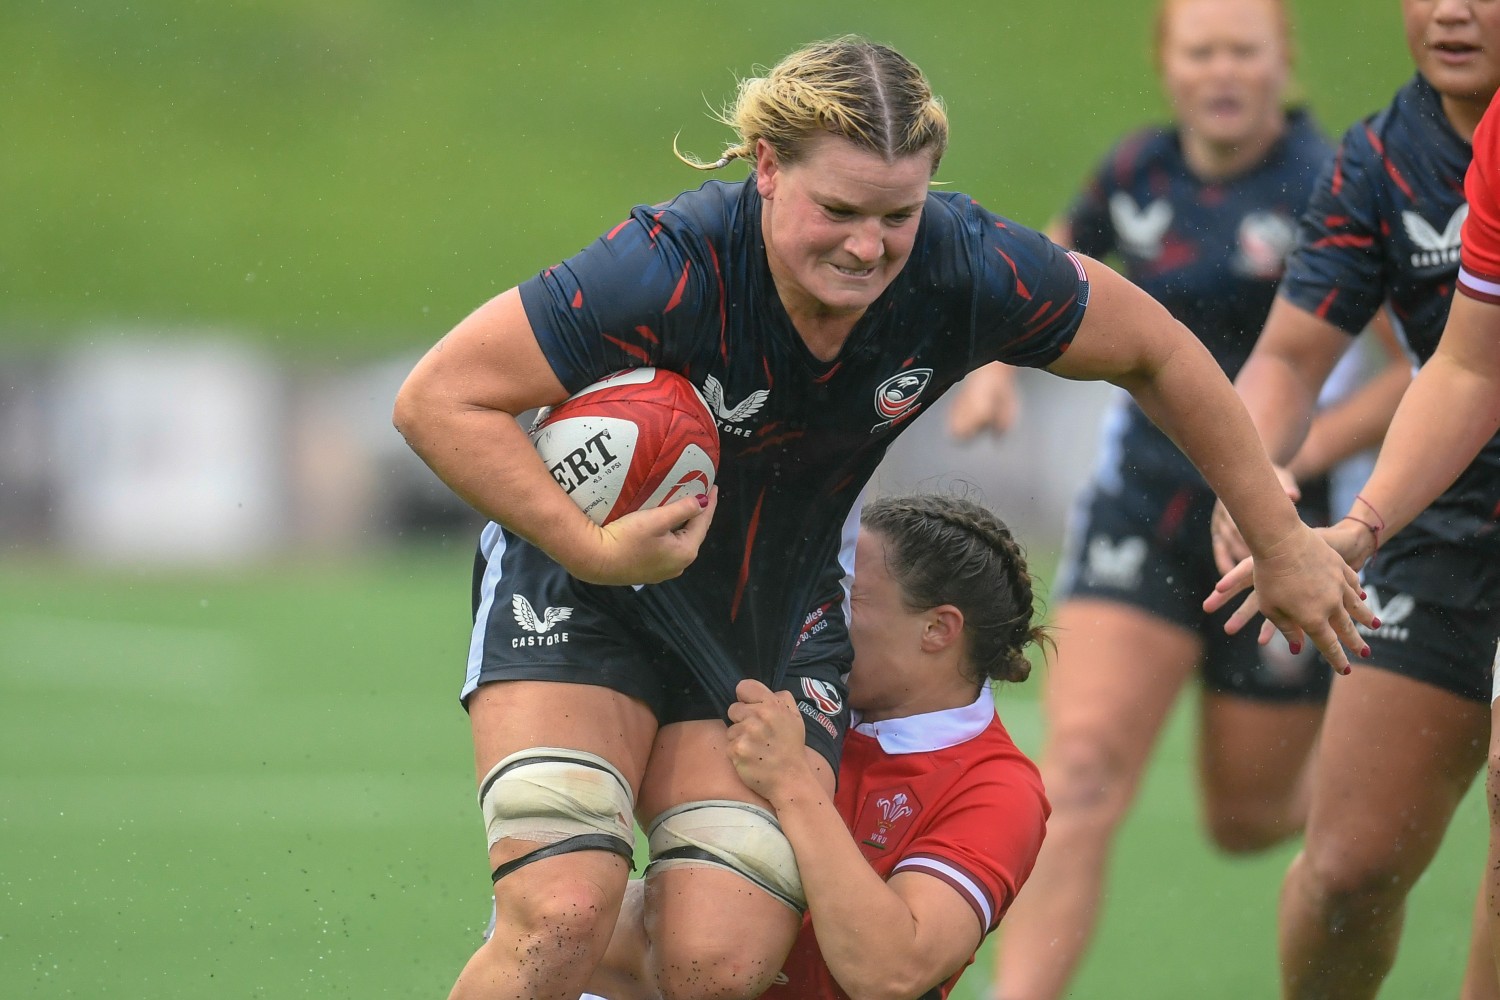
{"points": [[1374, 531]]}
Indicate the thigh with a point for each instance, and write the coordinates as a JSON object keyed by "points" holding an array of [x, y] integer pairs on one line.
{"points": [[1394, 759], [1116, 673], [1255, 751]]}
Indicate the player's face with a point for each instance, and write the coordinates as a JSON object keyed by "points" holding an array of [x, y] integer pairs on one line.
{"points": [[886, 635], [1225, 69], [839, 223], [1456, 45]]}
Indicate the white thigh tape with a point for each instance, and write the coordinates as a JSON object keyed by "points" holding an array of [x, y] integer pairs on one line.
{"points": [[736, 836], [547, 794]]}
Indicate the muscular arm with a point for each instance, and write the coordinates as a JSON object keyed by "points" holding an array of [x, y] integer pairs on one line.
{"points": [[880, 940], [457, 410]]}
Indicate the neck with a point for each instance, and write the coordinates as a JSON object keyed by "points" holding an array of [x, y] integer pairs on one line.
{"points": [[926, 698], [1213, 161], [1463, 113]]}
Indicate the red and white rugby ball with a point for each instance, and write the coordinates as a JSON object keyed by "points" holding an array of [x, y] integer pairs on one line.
{"points": [[637, 439]]}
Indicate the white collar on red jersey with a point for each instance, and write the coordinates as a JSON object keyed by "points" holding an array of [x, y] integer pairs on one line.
{"points": [[932, 730]]}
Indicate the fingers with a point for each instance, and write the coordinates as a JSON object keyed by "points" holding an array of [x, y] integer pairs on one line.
{"points": [[751, 691], [1235, 580], [1243, 615]]}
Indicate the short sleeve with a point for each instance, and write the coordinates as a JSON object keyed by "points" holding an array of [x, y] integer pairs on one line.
{"points": [[1031, 295], [987, 840], [631, 298], [1479, 273], [1335, 271]]}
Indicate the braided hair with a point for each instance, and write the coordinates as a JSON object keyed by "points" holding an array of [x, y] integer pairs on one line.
{"points": [[948, 550]]}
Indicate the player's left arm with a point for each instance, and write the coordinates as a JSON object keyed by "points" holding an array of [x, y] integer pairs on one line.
{"points": [[1128, 338], [1451, 409], [879, 939]]}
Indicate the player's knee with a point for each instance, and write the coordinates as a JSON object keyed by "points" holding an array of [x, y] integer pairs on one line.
{"points": [[719, 969], [1354, 882], [574, 914], [1239, 824], [1087, 781]]}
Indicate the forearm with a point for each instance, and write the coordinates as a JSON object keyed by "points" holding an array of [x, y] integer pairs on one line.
{"points": [[1445, 418], [1189, 398], [866, 932], [1352, 425]]}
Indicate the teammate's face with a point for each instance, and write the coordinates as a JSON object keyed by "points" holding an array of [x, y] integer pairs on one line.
{"points": [[1456, 45], [1225, 68], [839, 223]]}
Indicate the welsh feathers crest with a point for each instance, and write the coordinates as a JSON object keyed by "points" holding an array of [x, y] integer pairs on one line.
{"points": [[1140, 228], [526, 615], [714, 393]]}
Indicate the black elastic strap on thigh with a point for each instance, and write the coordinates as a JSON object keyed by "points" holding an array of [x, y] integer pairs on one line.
{"points": [[582, 842], [709, 858]]}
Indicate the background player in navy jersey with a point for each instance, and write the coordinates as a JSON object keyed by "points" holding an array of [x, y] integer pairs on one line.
{"points": [[1201, 215], [1446, 418], [837, 285], [938, 816], [1400, 744]]}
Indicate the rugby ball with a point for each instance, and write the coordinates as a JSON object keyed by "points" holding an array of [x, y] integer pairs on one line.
{"points": [[634, 440]]}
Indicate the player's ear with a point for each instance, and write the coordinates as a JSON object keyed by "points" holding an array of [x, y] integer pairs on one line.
{"points": [[942, 626], [767, 169]]}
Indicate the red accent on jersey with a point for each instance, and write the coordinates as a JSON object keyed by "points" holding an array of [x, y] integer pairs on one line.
{"points": [[830, 373], [1021, 288], [765, 364], [578, 299], [648, 334], [772, 442], [676, 298], [1337, 184], [739, 587], [713, 256], [1176, 510], [615, 231], [1327, 303], [634, 350], [1345, 240]]}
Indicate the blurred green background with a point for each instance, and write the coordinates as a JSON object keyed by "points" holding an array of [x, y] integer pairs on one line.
{"points": [[257, 783]]}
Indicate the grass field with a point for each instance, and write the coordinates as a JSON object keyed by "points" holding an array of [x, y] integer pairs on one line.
{"points": [[259, 785]]}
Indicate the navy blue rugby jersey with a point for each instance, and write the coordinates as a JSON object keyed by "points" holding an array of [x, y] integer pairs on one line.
{"points": [[686, 286], [1211, 252], [1383, 225]]}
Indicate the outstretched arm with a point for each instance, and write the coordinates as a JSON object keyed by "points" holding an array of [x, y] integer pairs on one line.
{"points": [[1131, 340]]}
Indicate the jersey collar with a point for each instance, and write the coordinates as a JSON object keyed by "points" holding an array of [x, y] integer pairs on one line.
{"points": [[932, 730]]}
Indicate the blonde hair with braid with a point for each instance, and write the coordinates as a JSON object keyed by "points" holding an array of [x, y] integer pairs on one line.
{"points": [[857, 90]]}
